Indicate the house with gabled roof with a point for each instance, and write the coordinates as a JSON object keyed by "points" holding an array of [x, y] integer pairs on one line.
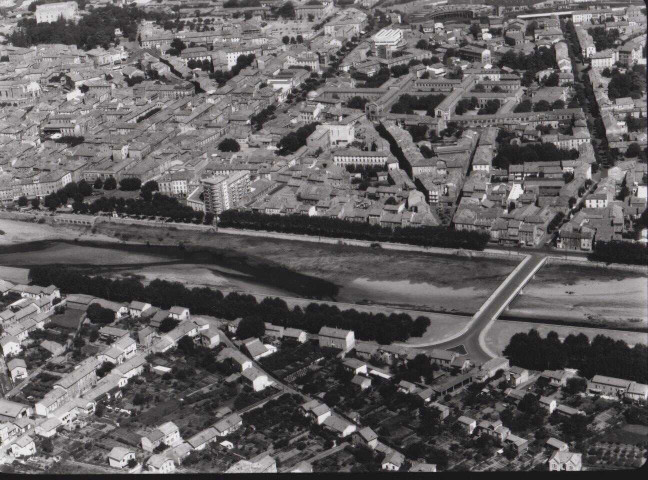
{"points": [[366, 436], [228, 424], [160, 463], [336, 338], [565, 461], [136, 309], [167, 433], [339, 425], [120, 456]]}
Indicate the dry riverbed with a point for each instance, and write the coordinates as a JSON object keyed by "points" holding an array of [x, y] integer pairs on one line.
{"points": [[596, 296]]}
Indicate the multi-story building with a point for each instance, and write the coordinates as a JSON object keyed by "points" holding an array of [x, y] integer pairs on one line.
{"points": [[222, 193], [51, 12], [386, 41]]}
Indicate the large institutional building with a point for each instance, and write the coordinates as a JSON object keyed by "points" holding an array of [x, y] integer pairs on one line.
{"points": [[51, 12]]}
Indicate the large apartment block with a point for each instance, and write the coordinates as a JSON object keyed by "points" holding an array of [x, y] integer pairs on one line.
{"points": [[51, 12], [222, 193]]}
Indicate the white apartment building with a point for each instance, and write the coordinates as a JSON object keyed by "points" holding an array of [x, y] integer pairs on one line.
{"points": [[51, 12], [222, 193], [387, 40]]}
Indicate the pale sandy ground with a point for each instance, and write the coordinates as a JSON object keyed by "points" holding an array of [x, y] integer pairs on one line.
{"points": [[198, 276], [20, 232], [601, 297], [14, 274], [501, 332]]}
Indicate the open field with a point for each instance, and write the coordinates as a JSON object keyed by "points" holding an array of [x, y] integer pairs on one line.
{"points": [[596, 296], [499, 335]]}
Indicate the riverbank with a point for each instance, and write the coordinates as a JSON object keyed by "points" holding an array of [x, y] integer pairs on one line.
{"points": [[585, 295], [414, 280], [14, 232]]}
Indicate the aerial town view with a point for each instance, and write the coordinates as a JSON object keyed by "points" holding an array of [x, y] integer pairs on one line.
{"points": [[308, 236]]}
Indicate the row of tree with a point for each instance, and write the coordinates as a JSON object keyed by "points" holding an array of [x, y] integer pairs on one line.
{"points": [[159, 205], [338, 228], [408, 103], [205, 301], [511, 154], [618, 251], [602, 356]]}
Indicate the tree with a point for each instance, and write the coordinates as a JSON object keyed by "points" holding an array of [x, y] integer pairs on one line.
{"points": [[634, 150], [529, 404], [99, 410], [186, 345], [177, 46], [357, 102], [229, 145], [110, 184], [22, 201], [575, 385], [285, 39], [168, 324], [85, 189], [47, 445], [558, 105], [250, 327], [474, 30], [98, 183], [130, 184], [287, 10], [552, 80], [52, 201], [132, 463], [510, 452], [300, 39], [524, 106], [542, 106], [97, 314]]}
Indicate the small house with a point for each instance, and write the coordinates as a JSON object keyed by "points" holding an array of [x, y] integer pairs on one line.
{"points": [[393, 461], [361, 381], [355, 366], [557, 445], [179, 313], [17, 369], [136, 309], [160, 464], [23, 447], [565, 461], [120, 456], [296, 335]]}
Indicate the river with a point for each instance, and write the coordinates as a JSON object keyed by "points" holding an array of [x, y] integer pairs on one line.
{"points": [[230, 270]]}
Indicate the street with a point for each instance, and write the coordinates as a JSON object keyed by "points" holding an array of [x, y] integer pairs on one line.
{"points": [[472, 339]]}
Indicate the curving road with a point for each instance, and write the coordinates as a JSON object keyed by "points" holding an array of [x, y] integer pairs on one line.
{"points": [[472, 338]]}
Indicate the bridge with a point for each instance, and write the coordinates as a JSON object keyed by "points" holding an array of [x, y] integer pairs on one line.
{"points": [[472, 336]]}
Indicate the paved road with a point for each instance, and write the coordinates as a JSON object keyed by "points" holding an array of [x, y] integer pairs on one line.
{"points": [[489, 312]]}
